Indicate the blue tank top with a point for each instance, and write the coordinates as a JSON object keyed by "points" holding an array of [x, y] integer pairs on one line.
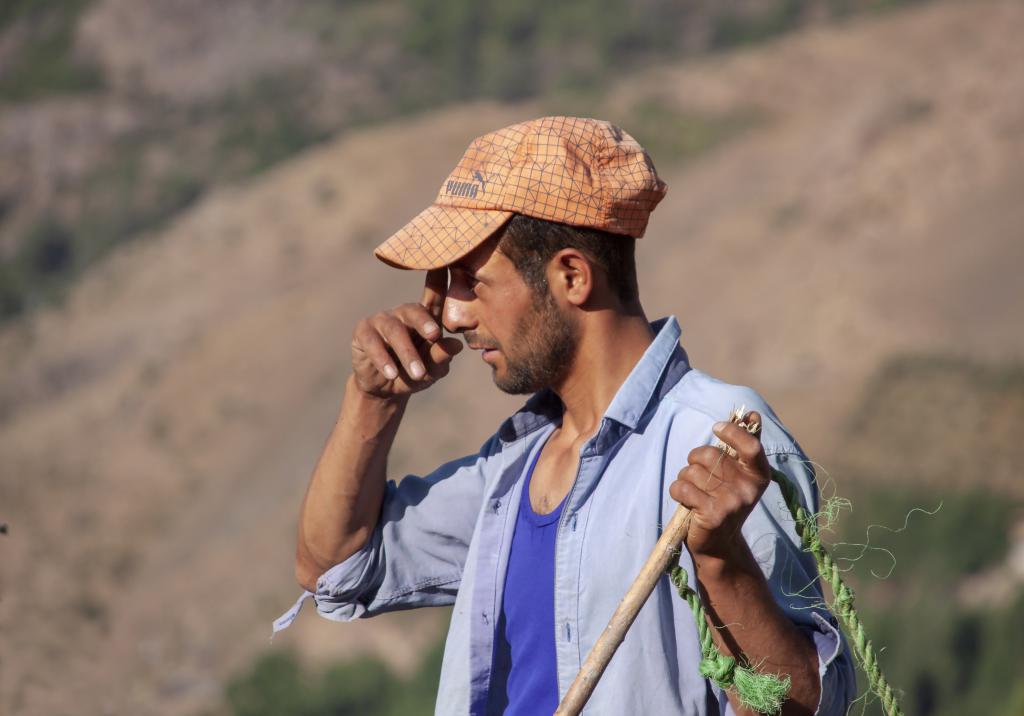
{"points": [[525, 640]]}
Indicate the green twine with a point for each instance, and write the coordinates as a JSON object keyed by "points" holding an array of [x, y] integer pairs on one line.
{"points": [[842, 595], [764, 693]]}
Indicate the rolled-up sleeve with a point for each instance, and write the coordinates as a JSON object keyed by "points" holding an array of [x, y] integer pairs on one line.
{"points": [[838, 681], [416, 554]]}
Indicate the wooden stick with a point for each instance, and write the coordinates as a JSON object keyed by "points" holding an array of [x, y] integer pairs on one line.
{"points": [[654, 569]]}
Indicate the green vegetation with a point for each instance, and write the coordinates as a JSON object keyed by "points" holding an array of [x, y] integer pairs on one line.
{"points": [[120, 205], [968, 533], [947, 657], [485, 48], [278, 684], [733, 29], [406, 56], [936, 430], [262, 125], [45, 256], [44, 63], [474, 48]]}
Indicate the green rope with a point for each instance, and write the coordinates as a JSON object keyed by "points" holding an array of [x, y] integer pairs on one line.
{"points": [[765, 693], [842, 595]]}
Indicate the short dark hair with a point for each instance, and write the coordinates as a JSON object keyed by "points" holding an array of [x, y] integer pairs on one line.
{"points": [[530, 243]]}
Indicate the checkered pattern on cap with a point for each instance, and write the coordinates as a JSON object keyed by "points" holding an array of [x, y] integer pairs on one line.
{"points": [[584, 172]]}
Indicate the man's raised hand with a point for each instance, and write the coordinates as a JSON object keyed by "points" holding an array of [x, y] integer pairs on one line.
{"points": [[401, 351]]}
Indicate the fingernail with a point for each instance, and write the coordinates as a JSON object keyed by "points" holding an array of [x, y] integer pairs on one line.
{"points": [[430, 327], [718, 427], [390, 373], [416, 369]]}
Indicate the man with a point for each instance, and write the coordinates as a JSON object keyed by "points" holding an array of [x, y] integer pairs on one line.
{"points": [[536, 537]]}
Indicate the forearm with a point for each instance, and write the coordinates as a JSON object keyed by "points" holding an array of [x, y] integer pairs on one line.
{"points": [[750, 626], [343, 501]]}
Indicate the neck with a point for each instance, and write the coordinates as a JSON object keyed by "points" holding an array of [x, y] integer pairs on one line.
{"points": [[610, 346]]}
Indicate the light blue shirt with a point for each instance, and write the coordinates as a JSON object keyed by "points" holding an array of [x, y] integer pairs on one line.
{"points": [[444, 539]]}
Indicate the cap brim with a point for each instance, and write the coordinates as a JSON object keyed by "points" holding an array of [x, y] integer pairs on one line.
{"points": [[439, 235]]}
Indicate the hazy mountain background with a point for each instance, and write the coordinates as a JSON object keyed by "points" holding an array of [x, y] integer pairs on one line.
{"points": [[189, 193]]}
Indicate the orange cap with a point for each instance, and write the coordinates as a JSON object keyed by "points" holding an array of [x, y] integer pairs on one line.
{"points": [[584, 172]]}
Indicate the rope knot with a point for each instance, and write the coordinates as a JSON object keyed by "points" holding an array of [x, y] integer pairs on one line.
{"points": [[720, 668], [677, 575]]}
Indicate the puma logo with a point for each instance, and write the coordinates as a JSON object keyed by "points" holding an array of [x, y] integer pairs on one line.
{"points": [[467, 188]]}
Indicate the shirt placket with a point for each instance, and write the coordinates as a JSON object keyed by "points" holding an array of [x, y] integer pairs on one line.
{"points": [[492, 560], [568, 556]]}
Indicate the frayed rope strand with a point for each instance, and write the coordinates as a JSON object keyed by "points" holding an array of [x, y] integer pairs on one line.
{"points": [[842, 595], [765, 693]]}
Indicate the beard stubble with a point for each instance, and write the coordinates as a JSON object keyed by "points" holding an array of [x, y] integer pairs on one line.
{"points": [[546, 342]]}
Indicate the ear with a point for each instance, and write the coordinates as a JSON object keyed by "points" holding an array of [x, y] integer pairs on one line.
{"points": [[571, 276]]}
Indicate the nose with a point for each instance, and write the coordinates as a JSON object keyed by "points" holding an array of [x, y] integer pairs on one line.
{"points": [[457, 315]]}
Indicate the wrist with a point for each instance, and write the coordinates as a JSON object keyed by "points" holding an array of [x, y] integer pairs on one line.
{"points": [[374, 418], [372, 400], [726, 564]]}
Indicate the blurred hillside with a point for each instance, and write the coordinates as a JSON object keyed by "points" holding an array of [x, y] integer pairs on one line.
{"points": [[117, 114], [836, 197]]}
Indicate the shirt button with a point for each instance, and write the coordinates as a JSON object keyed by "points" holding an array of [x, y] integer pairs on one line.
{"points": [[568, 632], [496, 505]]}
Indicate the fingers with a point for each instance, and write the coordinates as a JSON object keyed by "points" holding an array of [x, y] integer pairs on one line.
{"points": [[444, 350], [747, 445], [695, 488], [405, 345], [434, 290], [721, 485], [687, 490], [397, 335], [368, 341], [383, 337], [753, 423], [406, 341], [419, 319], [439, 356]]}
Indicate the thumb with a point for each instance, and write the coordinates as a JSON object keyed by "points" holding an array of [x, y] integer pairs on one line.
{"points": [[447, 348], [435, 288]]}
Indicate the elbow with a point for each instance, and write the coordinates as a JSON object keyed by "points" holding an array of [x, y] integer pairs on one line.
{"points": [[306, 573], [309, 566]]}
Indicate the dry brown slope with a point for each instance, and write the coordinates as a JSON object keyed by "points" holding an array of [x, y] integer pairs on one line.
{"points": [[159, 427], [880, 211]]}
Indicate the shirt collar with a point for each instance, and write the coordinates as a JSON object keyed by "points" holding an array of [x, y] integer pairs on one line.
{"points": [[631, 401], [660, 367]]}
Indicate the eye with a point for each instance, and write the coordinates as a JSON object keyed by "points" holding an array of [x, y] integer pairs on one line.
{"points": [[468, 279], [465, 280]]}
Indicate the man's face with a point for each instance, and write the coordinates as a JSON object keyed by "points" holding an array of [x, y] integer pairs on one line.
{"points": [[526, 338]]}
